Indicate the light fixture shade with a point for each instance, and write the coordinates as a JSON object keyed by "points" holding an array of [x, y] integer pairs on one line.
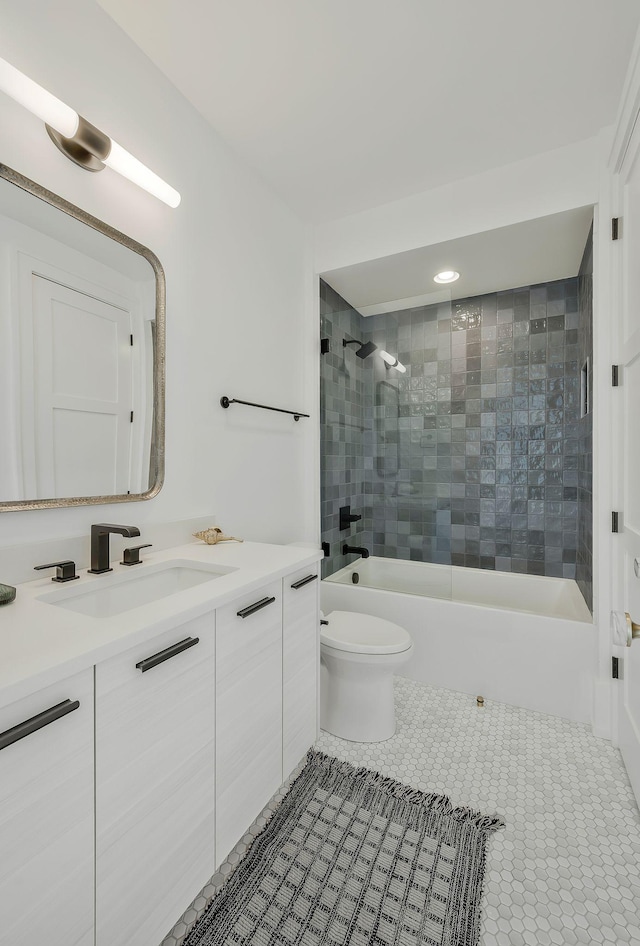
{"points": [[78, 139], [37, 100], [392, 362], [124, 163]]}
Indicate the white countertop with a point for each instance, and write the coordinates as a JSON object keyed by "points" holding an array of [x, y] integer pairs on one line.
{"points": [[41, 643]]}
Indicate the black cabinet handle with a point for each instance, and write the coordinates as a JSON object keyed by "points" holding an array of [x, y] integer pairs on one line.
{"points": [[37, 722], [150, 662], [303, 581], [258, 606]]}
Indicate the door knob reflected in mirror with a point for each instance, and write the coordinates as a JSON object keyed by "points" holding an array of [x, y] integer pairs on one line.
{"points": [[623, 629]]}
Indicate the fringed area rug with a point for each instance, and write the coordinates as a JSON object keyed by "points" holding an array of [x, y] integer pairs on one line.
{"points": [[352, 857]]}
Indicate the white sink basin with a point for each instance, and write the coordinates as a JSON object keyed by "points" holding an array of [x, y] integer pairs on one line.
{"points": [[113, 594]]}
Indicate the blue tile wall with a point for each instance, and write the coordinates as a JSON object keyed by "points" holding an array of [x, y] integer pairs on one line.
{"points": [[472, 456]]}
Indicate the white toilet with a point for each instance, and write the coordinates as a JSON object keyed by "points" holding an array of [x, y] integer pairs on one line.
{"points": [[358, 656]]}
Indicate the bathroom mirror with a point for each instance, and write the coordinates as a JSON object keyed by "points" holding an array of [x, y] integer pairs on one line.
{"points": [[82, 310]]}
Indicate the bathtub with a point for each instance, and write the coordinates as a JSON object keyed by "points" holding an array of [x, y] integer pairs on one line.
{"points": [[519, 639]]}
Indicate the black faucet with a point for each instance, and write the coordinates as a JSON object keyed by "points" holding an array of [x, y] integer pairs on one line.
{"points": [[346, 549], [100, 544]]}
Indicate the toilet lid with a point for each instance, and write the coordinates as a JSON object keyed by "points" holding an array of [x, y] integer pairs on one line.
{"points": [[363, 634]]}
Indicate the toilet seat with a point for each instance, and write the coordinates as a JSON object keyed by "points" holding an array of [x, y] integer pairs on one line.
{"points": [[358, 633]]}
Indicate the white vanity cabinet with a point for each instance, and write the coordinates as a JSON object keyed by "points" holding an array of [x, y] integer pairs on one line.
{"points": [[248, 711], [125, 785], [154, 783], [46, 816], [300, 665]]}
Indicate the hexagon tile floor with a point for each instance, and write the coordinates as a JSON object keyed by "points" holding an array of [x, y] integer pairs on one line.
{"points": [[566, 869]]}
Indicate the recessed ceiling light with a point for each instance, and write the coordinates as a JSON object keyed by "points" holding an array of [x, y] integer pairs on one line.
{"points": [[448, 275]]}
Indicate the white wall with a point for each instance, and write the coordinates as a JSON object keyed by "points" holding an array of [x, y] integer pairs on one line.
{"points": [[240, 314], [543, 184]]}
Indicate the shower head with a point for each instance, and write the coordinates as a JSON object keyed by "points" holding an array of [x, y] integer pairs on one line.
{"points": [[366, 348]]}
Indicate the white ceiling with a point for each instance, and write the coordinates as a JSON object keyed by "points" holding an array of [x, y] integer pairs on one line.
{"points": [[524, 254], [342, 105]]}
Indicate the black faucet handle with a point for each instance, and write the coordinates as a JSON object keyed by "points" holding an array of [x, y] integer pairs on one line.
{"points": [[131, 556], [347, 517], [65, 571]]}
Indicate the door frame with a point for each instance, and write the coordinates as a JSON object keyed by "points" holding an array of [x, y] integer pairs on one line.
{"points": [[623, 150]]}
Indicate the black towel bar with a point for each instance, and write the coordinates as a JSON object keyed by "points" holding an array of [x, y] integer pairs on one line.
{"points": [[227, 401]]}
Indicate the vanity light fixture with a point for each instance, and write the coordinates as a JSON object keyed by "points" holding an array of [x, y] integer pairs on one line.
{"points": [[446, 276], [391, 362], [78, 139]]}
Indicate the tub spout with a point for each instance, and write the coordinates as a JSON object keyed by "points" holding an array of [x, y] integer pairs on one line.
{"points": [[356, 550]]}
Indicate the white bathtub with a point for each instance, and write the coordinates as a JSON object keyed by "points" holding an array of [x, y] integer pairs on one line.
{"points": [[519, 639]]}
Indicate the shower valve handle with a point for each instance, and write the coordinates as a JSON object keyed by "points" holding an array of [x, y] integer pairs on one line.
{"points": [[347, 517]]}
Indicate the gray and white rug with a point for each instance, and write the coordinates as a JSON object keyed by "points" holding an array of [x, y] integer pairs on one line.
{"points": [[353, 857]]}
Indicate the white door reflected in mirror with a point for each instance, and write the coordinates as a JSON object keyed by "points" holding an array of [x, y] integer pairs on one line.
{"points": [[80, 436]]}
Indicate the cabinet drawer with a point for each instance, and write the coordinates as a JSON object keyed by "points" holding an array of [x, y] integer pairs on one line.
{"points": [[300, 664], [154, 783], [248, 711], [46, 817]]}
